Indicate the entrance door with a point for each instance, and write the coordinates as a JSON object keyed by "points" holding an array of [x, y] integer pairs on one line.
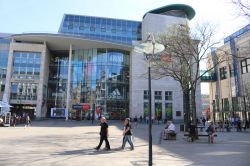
{"points": [[168, 111], [21, 110], [158, 111]]}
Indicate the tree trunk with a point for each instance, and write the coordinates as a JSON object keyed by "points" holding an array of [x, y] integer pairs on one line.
{"points": [[186, 109], [193, 99]]}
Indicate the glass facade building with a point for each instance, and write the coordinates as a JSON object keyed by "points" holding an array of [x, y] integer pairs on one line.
{"points": [[97, 28], [4, 53]]}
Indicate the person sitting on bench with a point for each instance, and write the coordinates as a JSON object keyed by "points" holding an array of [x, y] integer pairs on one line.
{"points": [[210, 130], [169, 129], [1, 122]]}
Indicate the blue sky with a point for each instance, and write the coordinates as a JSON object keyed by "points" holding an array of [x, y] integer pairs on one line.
{"points": [[20, 16]]}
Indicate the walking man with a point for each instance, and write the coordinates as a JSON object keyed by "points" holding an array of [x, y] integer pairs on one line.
{"points": [[103, 134]]}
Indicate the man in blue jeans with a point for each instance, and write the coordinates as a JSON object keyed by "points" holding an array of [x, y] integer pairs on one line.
{"points": [[127, 133], [103, 134]]}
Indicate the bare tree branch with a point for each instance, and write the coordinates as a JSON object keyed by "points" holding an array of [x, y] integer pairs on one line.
{"points": [[243, 7]]}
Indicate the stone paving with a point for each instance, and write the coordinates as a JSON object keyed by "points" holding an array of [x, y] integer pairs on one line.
{"points": [[71, 143]]}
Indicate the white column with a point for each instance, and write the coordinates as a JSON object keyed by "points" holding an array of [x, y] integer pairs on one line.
{"points": [[40, 111], [7, 89], [68, 83]]}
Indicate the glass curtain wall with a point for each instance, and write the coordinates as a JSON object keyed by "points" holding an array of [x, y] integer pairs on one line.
{"points": [[58, 76], [100, 78], [107, 29], [3, 69]]}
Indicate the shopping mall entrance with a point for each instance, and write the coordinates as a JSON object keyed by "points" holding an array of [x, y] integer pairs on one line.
{"points": [[22, 109]]}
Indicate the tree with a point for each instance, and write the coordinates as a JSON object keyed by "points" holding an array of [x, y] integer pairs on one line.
{"points": [[185, 50], [243, 7], [246, 98]]}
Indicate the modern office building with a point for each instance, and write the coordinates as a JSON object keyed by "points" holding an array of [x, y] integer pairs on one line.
{"points": [[230, 90], [90, 64]]}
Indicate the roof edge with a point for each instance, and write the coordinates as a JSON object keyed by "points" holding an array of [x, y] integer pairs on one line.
{"points": [[190, 12]]}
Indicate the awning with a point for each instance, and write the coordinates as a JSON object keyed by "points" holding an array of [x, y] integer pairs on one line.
{"points": [[5, 104]]}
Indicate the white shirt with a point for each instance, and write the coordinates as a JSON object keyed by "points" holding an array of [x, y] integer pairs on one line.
{"points": [[171, 127]]}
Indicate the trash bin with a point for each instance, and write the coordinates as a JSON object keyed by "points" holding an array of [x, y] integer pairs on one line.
{"points": [[182, 127]]}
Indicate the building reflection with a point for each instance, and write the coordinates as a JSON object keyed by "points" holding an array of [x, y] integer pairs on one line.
{"points": [[99, 78]]}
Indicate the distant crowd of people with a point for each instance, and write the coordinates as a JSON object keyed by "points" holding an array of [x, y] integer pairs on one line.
{"points": [[228, 124], [145, 119], [16, 119]]}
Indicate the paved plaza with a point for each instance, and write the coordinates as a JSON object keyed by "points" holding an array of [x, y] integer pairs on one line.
{"points": [[71, 143]]}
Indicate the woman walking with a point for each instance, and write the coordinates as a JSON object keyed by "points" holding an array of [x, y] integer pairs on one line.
{"points": [[27, 120], [210, 130], [127, 134]]}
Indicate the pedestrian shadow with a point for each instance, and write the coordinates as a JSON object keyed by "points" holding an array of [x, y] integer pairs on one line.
{"points": [[88, 152]]}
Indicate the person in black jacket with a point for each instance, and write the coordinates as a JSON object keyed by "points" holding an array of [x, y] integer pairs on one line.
{"points": [[103, 134]]}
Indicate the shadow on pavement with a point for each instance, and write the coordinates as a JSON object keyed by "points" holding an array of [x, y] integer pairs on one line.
{"points": [[89, 152]]}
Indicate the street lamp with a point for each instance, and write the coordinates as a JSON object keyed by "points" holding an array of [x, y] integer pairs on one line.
{"points": [[150, 48]]}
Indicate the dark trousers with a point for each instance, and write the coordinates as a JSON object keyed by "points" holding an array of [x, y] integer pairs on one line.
{"points": [[105, 138]]}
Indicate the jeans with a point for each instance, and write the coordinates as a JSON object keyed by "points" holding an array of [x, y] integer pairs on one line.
{"points": [[127, 138]]}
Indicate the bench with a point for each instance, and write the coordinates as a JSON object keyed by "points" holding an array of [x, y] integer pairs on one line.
{"points": [[191, 136], [169, 136]]}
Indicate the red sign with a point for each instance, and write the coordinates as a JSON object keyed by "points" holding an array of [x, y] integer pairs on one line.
{"points": [[86, 106]]}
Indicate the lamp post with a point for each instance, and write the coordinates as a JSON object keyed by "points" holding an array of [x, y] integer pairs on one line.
{"points": [[150, 48], [150, 155]]}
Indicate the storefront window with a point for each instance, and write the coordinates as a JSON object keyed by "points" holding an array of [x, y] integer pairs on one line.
{"points": [[100, 77], [158, 110], [23, 91], [169, 111]]}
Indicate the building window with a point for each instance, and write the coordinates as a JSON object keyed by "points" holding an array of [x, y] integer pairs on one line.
{"points": [[103, 29], [124, 31], [113, 30], [145, 109], [225, 104], [223, 73], [26, 65], [145, 96], [245, 66], [178, 113], [81, 27], [231, 70], [168, 95], [235, 103], [92, 28], [158, 95], [158, 111], [169, 111], [23, 91], [2, 88], [70, 27]]}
